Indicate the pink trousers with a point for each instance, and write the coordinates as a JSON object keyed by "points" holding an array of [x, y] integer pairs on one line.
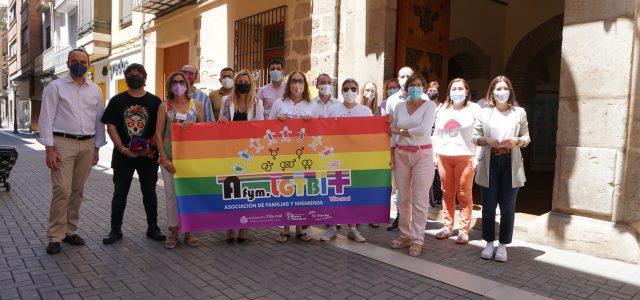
{"points": [[414, 172]]}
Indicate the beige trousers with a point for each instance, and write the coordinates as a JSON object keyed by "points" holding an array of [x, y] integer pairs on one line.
{"points": [[67, 182]]}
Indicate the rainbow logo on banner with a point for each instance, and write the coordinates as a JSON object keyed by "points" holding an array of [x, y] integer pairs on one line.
{"points": [[273, 173]]}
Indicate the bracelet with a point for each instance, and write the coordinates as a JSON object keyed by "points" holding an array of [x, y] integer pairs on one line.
{"points": [[122, 149]]}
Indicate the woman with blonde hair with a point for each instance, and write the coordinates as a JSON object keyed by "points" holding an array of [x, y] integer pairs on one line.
{"points": [[455, 157], [296, 104], [241, 105], [500, 131], [368, 97], [177, 108]]}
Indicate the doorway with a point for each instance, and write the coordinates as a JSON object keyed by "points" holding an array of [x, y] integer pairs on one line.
{"points": [[174, 58]]}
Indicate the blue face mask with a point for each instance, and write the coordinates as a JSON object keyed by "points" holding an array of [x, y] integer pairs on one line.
{"points": [[275, 75], [391, 91], [78, 70], [415, 92]]}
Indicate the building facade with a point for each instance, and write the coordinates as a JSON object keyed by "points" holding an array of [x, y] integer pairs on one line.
{"points": [[573, 64]]}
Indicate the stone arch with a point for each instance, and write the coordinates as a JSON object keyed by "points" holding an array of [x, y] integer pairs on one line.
{"points": [[539, 40], [471, 61]]}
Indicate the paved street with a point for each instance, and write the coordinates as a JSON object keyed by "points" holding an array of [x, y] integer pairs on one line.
{"points": [[137, 267]]}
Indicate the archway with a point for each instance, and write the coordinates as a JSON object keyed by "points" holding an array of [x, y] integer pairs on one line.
{"points": [[534, 68], [467, 60]]}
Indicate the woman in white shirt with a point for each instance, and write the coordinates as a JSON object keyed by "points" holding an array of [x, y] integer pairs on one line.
{"points": [[501, 130], [348, 108], [295, 105], [241, 105], [413, 162], [455, 155]]}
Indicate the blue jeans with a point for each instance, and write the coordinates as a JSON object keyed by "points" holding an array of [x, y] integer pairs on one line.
{"points": [[500, 193]]}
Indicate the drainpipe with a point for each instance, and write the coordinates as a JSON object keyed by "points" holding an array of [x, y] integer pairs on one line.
{"points": [[143, 40]]}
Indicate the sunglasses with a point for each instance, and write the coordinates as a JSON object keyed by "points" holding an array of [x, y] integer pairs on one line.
{"points": [[353, 89], [181, 82], [295, 81]]}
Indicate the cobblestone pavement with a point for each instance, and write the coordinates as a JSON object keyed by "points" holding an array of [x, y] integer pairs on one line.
{"points": [[137, 267]]}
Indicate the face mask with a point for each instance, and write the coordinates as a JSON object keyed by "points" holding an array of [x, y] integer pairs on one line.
{"points": [[402, 81], [243, 88], [415, 92], [369, 95], [78, 70], [326, 89], [297, 89], [391, 91], [432, 95], [502, 96], [227, 82], [276, 75], [457, 96], [134, 82], [178, 89], [350, 96]]}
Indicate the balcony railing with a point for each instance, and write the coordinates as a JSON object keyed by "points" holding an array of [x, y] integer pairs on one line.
{"points": [[61, 59], [49, 58], [159, 7], [44, 5], [94, 26]]}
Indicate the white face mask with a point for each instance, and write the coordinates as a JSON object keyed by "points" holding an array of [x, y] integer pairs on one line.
{"points": [[402, 81], [350, 96], [325, 89], [226, 82], [457, 96], [369, 95], [501, 96]]}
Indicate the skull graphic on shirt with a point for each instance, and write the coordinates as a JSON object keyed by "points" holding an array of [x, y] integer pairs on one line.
{"points": [[135, 118]]}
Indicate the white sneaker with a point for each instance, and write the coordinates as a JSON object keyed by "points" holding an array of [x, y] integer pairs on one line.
{"points": [[355, 235], [329, 234], [487, 253], [501, 253]]}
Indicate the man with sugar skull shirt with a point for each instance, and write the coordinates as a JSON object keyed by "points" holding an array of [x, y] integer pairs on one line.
{"points": [[131, 122]]}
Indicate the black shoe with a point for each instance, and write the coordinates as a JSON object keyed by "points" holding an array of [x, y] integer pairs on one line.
{"points": [[73, 239], [156, 235], [113, 237], [305, 226], [53, 248], [394, 225]]}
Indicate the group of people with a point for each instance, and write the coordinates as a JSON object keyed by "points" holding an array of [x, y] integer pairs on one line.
{"points": [[453, 136]]}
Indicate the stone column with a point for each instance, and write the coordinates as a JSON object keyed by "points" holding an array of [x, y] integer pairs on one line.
{"points": [[298, 36], [596, 81], [324, 37]]}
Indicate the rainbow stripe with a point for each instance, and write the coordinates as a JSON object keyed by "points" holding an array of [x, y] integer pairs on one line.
{"points": [[272, 173]]}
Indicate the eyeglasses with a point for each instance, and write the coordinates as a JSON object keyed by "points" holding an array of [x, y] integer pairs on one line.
{"points": [[296, 81], [180, 82], [353, 89]]}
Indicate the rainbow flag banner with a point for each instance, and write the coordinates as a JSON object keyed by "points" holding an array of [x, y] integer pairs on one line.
{"points": [[273, 173]]}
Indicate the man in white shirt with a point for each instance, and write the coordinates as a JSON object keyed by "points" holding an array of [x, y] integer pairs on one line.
{"points": [[325, 98], [274, 90], [191, 73], [72, 133]]}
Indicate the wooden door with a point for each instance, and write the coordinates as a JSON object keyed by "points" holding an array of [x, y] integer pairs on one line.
{"points": [[174, 58], [423, 38]]}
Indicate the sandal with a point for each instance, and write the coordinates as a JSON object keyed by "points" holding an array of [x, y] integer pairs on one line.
{"points": [[242, 235], [415, 250], [401, 243], [443, 233], [283, 238], [191, 240], [463, 238], [303, 237], [172, 239]]}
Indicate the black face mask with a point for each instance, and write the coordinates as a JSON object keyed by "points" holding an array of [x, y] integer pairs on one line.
{"points": [[433, 95], [135, 82], [243, 88]]}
